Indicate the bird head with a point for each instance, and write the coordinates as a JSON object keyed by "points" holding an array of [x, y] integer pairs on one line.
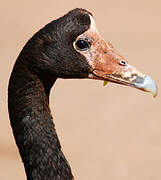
{"points": [[71, 47]]}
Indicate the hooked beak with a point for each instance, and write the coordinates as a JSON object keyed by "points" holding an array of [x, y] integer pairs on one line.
{"points": [[108, 65], [114, 68], [145, 83]]}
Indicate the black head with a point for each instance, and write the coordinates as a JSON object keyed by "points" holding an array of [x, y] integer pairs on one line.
{"points": [[71, 47], [51, 52]]}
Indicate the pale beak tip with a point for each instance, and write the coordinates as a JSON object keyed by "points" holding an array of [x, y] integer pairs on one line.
{"points": [[148, 85], [151, 86]]}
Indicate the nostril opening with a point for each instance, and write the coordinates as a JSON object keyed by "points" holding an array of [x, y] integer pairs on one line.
{"points": [[123, 63]]}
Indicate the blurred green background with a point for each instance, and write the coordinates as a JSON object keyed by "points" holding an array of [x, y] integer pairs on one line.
{"points": [[111, 132]]}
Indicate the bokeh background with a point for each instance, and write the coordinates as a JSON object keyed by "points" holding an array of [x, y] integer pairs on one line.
{"points": [[111, 132]]}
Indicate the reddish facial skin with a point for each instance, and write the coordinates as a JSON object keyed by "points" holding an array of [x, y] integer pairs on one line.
{"points": [[107, 64]]}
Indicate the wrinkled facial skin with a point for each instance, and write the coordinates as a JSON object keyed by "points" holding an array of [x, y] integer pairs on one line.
{"points": [[105, 60], [107, 64]]}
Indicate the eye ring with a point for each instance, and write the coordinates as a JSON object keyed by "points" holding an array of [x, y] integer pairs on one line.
{"points": [[82, 44]]}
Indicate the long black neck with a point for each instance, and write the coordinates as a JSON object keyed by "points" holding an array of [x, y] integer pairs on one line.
{"points": [[33, 127]]}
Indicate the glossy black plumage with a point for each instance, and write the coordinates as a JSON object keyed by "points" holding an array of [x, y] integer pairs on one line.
{"points": [[48, 55]]}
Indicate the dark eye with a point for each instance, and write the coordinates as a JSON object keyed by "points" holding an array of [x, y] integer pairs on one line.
{"points": [[82, 45]]}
